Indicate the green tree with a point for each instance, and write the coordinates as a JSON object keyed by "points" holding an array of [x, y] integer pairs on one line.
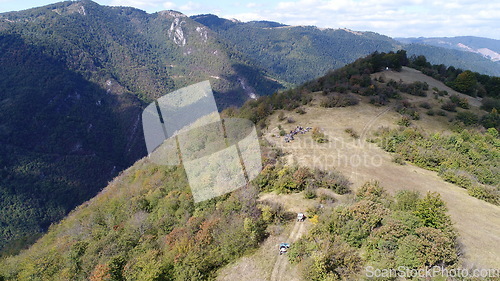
{"points": [[432, 211], [466, 83]]}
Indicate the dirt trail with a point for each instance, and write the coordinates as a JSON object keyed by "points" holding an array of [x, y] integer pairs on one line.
{"points": [[279, 270], [266, 263], [477, 221]]}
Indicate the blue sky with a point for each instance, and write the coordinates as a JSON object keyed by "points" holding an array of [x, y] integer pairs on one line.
{"points": [[395, 18]]}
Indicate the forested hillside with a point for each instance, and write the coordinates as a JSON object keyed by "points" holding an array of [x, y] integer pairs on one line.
{"points": [[479, 47], [455, 58], [74, 77], [297, 53], [145, 225]]}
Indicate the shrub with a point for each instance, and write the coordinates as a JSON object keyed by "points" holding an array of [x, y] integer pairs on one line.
{"points": [[468, 118], [326, 199], [406, 200], [489, 104], [310, 192], [282, 132], [352, 133], [290, 120], [458, 177], [281, 116], [493, 132], [449, 106], [404, 121], [300, 111], [333, 180], [432, 211], [398, 159], [484, 193], [425, 105], [318, 135], [339, 100], [491, 120], [370, 190], [461, 102], [441, 113], [430, 112], [416, 88], [464, 103]]}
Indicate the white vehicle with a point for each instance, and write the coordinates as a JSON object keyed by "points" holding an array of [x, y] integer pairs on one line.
{"points": [[301, 217], [284, 247]]}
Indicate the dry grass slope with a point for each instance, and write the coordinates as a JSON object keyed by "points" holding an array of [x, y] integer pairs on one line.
{"points": [[477, 221]]}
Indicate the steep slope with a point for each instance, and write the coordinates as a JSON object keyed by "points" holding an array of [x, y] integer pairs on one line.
{"points": [[62, 139], [74, 77], [148, 54], [145, 225]]}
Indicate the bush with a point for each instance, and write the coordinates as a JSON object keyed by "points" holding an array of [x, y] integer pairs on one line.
{"points": [[290, 120], [458, 177], [318, 135], [326, 199], [406, 200], [352, 133], [441, 113], [468, 118], [281, 116], [465, 159], [416, 88], [484, 193], [405, 121], [300, 111], [489, 104], [339, 100], [398, 159], [430, 112], [491, 120], [449, 106], [332, 180], [461, 102], [425, 105], [309, 193]]}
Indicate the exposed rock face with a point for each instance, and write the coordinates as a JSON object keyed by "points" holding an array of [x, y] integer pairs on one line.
{"points": [[176, 33], [485, 52], [203, 33]]}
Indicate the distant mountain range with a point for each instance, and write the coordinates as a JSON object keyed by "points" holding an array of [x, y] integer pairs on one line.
{"points": [[488, 48], [299, 53], [74, 77]]}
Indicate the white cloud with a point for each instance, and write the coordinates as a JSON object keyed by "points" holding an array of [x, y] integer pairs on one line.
{"points": [[252, 5], [141, 4], [169, 5], [190, 6], [394, 18]]}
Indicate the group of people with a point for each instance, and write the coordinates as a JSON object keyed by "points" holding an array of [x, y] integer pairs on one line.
{"points": [[297, 130]]}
